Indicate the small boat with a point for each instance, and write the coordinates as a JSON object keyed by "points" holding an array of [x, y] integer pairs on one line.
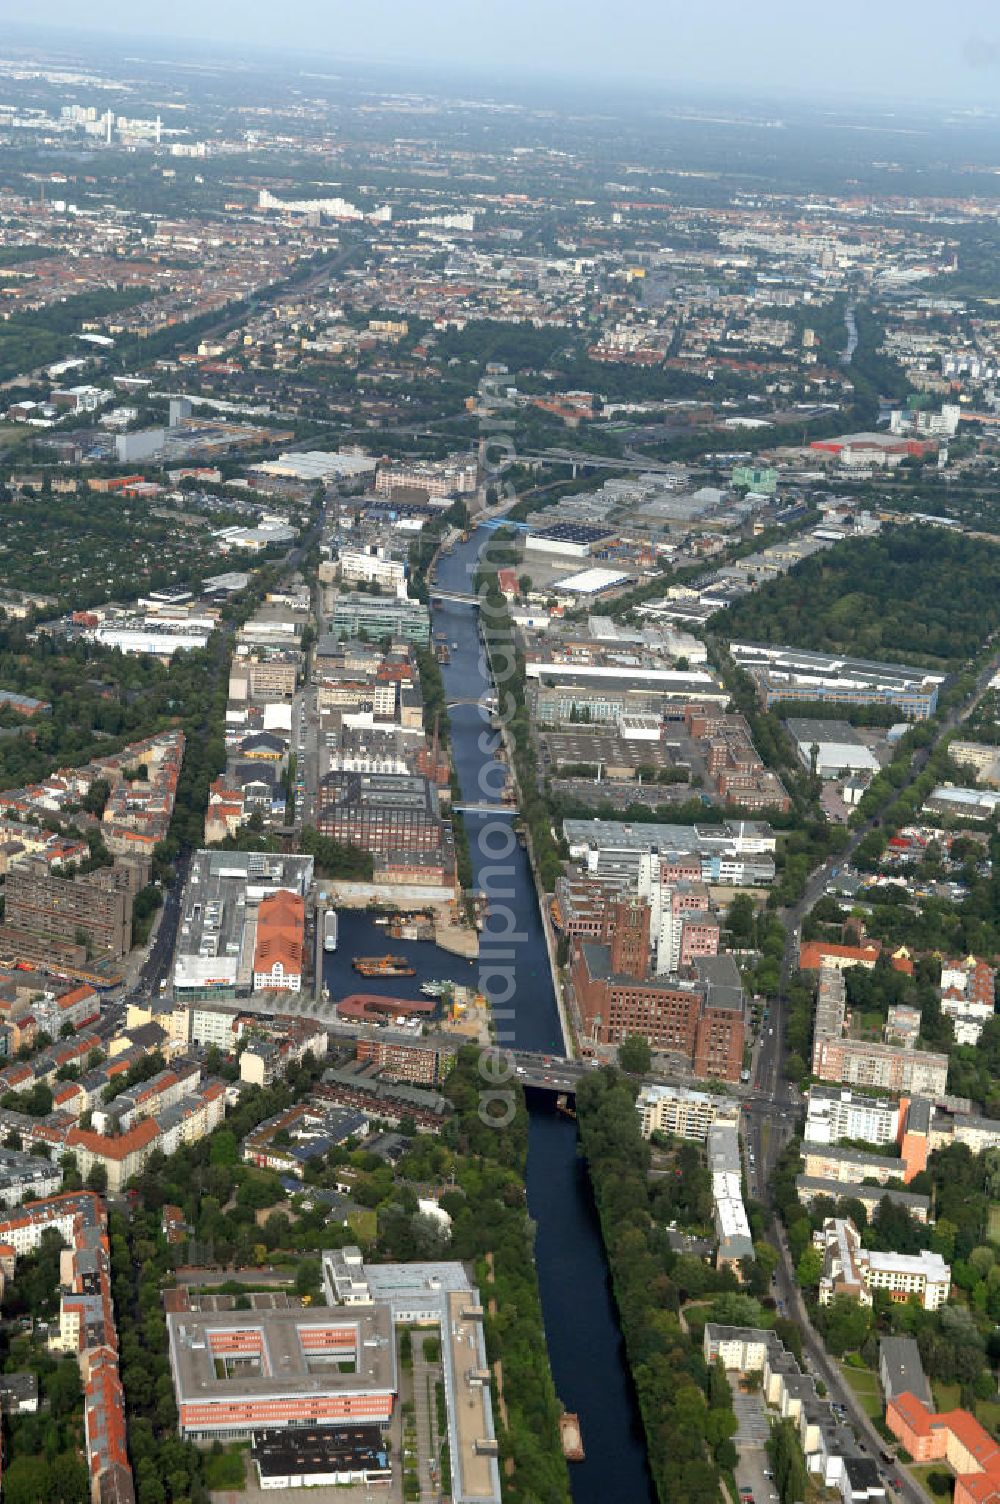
{"points": [[569, 1435], [434, 989], [330, 930], [383, 966]]}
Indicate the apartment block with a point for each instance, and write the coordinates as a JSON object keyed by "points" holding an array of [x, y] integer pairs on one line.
{"points": [[681, 1112], [94, 911], [854, 1271], [830, 1449], [863, 1062], [834, 1113]]}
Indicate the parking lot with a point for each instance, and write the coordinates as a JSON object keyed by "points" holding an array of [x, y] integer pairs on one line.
{"points": [[751, 1441], [751, 1418]]}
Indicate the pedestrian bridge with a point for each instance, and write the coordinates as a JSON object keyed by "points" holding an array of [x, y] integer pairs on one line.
{"points": [[487, 702]]}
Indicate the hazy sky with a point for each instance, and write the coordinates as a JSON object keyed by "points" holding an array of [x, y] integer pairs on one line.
{"points": [[920, 49]]}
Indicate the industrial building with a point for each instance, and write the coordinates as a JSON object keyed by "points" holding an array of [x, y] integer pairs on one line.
{"points": [[786, 674], [740, 852], [437, 1295], [380, 812], [835, 745], [216, 941]]}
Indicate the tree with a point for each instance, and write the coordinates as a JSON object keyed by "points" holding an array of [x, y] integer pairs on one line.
{"points": [[307, 1278], [809, 1269], [634, 1055], [97, 1178], [844, 1324], [26, 1480]]}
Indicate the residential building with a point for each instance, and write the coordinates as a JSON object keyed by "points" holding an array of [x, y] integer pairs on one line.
{"points": [[374, 566], [681, 1112], [834, 1113], [810, 1188], [968, 997], [900, 1370], [854, 1271], [86, 1327], [861, 1062], [93, 913], [830, 1449], [732, 1225], [421, 1062]]}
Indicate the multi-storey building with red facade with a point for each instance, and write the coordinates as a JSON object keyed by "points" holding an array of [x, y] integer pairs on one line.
{"points": [[239, 1372], [696, 1013]]}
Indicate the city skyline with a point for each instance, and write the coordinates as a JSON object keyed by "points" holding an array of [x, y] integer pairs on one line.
{"points": [[649, 45]]}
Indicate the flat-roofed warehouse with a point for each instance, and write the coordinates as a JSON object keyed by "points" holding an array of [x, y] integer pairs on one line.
{"points": [[787, 673], [567, 540], [839, 748], [239, 1372]]}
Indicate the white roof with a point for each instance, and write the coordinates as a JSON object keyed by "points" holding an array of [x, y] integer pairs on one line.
{"points": [[931, 1265], [590, 581], [318, 464]]}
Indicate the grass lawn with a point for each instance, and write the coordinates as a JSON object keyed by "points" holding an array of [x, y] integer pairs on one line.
{"points": [[364, 1225], [941, 1475], [946, 1396], [988, 1414], [11, 432], [224, 1469], [866, 1387], [993, 1222]]}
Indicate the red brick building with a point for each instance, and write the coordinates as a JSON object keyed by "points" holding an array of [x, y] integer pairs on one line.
{"points": [[697, 1015]]}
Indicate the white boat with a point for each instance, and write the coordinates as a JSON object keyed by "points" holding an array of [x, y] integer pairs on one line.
{"points": [[330, 930], [434, 989]]}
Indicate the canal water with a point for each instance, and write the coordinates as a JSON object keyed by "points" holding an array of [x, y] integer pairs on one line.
{"points": [[581, 1326]]}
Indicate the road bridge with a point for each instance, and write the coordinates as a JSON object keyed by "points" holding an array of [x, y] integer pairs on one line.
{"points": [[485, 809], [457, 597]]}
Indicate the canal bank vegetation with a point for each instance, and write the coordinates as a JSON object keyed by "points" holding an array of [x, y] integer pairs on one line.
{"points": [[491, 1225], [686, 1407]]}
